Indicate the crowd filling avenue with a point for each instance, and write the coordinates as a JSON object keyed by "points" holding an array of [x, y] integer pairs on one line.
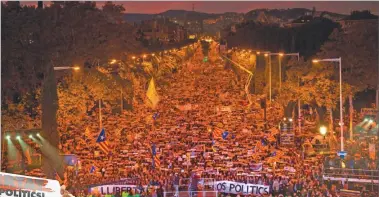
{"points": [[99, 102]]}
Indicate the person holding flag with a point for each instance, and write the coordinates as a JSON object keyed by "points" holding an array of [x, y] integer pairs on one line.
{"points": [[92, 170], [102, 143], [155, 160]]}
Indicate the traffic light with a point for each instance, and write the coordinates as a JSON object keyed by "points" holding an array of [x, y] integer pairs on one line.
{"points": [[205, 59]]}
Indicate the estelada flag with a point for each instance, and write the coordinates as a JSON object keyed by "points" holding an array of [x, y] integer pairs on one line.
{"points": [[256, 166], [92, 170], [157, 161], [102, 143]]}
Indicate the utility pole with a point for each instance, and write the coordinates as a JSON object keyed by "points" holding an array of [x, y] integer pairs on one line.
{"points": [[100, 119], [269, 67], [122, 101]]}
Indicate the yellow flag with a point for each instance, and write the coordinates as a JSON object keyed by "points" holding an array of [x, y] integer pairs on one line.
{"points": [[27, 155], [152, 94], [213, 148]]}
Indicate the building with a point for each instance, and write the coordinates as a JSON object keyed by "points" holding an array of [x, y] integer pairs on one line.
{"points": [[161, 30], [300, 21], [348, 23], [357, 17], [194, 26]]}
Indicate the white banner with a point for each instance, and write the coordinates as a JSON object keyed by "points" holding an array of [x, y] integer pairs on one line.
{"points": [[114, 189], [224, 109], [19, 186], [290, 169], [237, 188]]}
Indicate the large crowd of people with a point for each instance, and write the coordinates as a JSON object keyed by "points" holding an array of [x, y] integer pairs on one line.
{"points": [[204, 125]]}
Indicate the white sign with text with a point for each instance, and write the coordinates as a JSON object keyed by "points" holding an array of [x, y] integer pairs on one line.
{"points": [[237, 188]]}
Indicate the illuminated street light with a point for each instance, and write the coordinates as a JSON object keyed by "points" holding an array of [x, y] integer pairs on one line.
{"points": [[153, 54], [8, 137], [366, 119], [290, 119], [341, 100], [323, 130], [113, 61], [281, 54], [134, 57], [144, 56], [266, 54], [18, 137], [30, 136], [258, 52], [38, 135], [370, 121]]}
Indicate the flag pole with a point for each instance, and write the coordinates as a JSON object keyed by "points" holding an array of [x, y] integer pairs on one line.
{"points": [[101, 123]]}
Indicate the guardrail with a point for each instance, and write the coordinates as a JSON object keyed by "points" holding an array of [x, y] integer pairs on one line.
{"points": [[206, 181], [352, 175]]}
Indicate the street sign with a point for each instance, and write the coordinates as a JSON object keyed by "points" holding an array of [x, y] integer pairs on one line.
{"points": [[342, 154]]}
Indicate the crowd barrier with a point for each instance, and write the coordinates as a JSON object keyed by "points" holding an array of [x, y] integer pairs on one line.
{"points": [[209, 182], [352, 175]]}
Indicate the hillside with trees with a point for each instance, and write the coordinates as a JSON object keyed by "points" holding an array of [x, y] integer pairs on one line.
{"points": [[306, 39]]}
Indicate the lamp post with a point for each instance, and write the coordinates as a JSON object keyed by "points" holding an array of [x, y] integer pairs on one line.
{"points": [[280, 64], [340, 79], [269, 70], [323, 130]]}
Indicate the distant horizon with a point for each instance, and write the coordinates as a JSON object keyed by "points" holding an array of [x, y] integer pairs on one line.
{"points": [[220, 7]]}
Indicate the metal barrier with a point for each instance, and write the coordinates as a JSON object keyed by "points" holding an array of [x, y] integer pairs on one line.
{"points": [[352, 175], [205, 181], [191, 194]]}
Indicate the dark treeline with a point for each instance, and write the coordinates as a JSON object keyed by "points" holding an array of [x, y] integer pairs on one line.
{"points": [[306, 39]]}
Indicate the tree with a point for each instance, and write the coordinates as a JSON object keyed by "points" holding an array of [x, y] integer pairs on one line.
{"points": [[357, 45], [64, 34]]}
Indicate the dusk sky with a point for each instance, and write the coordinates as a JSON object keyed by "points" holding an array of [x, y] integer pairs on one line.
{"points": [[153, 7]]}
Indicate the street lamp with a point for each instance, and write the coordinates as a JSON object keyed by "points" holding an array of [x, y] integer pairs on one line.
{"points": [[340, 73], [67, 68], [323, 130], [113, 61], [280, 64], [269, 68]]}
